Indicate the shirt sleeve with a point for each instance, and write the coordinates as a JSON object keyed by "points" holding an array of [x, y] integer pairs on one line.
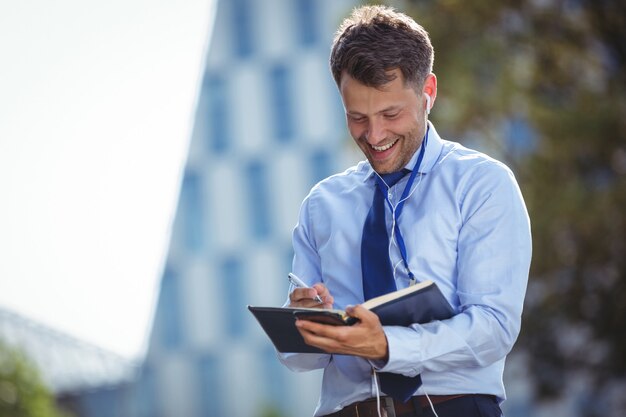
{"points": [[306, 265], [493, 260]]}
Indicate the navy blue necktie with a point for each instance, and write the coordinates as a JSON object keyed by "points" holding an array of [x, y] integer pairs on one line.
{"points": [[378, 275]]}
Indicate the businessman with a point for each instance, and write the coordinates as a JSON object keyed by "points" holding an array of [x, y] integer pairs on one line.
{"points": [[418, 208]]}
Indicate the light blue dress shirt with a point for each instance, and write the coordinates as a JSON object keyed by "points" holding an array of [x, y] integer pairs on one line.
{"points": [[466, 228]]}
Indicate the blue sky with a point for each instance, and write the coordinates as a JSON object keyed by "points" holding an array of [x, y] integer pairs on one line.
{"points": [[96, 111]]}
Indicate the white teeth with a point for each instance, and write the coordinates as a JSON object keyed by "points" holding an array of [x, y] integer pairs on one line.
{"points": [[384, 147]]}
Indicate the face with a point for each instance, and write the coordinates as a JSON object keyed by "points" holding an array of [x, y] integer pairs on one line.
{"points": [[387, 123]]}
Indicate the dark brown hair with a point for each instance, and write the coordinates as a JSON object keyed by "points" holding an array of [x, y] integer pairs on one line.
{"points": [[377, 39]]}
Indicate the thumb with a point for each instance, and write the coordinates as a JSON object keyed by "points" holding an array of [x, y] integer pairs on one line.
{"points": [[358, 312]]}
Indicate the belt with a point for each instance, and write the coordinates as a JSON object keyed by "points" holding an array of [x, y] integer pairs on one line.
{"points": [[367, 408]]}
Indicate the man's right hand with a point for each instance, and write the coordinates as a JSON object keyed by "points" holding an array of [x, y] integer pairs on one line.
{"points": [[305, 297]]}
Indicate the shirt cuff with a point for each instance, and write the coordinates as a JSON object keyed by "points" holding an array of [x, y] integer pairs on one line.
{"points": [[304, 361], [404, 352]]}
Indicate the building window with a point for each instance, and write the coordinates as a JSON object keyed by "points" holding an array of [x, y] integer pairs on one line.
{"points": [[282, 104], [242, 27], [210, 386], [286, 257], [218, 132], [306, 15], [321, 165], [146, 392], [232, 275], [274, 371], [169, 317], [191, 211], [259, 194]]}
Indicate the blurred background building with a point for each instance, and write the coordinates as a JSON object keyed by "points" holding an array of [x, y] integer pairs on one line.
{"points": [[268, 126], [81, 376]]}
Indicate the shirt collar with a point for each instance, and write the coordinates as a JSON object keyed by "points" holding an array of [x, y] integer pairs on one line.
{"points": [[431, 155]]}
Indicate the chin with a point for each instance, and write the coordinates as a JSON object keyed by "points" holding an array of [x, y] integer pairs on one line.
{"points": [[384, 168]]}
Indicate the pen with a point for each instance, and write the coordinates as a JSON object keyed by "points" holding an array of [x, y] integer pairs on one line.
{"points": [[294, 280]]}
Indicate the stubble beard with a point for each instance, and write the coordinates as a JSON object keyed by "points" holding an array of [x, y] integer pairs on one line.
{"points": [[401, 160]]}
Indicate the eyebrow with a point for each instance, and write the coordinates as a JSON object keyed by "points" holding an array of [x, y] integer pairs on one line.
{"points": [[392, 108]]}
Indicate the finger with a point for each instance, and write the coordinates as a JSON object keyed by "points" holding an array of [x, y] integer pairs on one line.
{"points": [[309, 326], [364, 315], [318, 335], [329, 300], [324, 294], [303, 297], [322, 330], [314, 340], [320, 288], [300, 294], [295, 295], [327, 345]]}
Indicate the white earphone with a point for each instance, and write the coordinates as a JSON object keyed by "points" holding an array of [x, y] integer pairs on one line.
{"points": [[427, 103]]}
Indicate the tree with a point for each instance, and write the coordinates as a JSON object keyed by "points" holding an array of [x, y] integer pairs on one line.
{"points": [[550, 78], [22, 393]]}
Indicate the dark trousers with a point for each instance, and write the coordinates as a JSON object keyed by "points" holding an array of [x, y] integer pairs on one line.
{"points": [[467, 406]]}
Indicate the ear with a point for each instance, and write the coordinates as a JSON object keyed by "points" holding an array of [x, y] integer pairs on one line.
{"points": [[430, 90]]}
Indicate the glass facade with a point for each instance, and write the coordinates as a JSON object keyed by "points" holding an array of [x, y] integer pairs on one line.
{"points": [[241, 27], [192, 204], [210, 402], [168, 312], [233, 277], [258, 194], [215, 93], [281, 104], [307, 18]]}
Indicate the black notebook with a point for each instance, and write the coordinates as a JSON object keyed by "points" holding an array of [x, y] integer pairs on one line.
{"points": [[419, 303]]}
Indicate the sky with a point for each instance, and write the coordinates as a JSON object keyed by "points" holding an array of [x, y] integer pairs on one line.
{"points": [[96, 109]]}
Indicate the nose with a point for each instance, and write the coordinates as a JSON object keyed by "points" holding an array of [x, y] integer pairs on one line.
{"points": [[375, 132]]}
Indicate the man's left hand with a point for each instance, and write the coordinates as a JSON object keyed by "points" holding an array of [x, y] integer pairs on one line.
{"points": [[365, 338]]}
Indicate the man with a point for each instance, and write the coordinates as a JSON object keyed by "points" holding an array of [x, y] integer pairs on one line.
{"points": [[455, 217]]}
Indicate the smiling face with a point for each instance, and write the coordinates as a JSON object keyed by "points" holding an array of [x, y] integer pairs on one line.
{"points": [[388, 123]]}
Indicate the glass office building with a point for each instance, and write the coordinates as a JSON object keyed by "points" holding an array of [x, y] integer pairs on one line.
{"points": [[268, 125]]}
